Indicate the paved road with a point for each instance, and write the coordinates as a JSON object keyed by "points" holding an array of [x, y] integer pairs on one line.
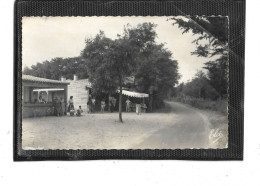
{"points": [[190, 130]]}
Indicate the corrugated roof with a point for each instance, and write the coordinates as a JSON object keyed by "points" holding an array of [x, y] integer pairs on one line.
{"points": [[42, 80], [134, 94]]}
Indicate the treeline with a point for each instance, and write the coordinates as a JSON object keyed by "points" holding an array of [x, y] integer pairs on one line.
{"points": [[208, 88], [57, 67], [202, 87]]}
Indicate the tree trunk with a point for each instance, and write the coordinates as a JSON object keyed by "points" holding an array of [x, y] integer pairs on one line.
{"points": [[120, 102]]}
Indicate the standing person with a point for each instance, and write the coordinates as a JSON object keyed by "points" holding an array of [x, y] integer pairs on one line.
{"points": [[128, 102], [93, 100], [63, 109], [55, 103], [71, 104], [89, 105], [59, 109], [138, 108], [114, 103], [103, 104], [109, 103]]}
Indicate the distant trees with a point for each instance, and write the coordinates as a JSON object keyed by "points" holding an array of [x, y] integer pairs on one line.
{"points": [[58, 67], [199, 87], [212, 41]]}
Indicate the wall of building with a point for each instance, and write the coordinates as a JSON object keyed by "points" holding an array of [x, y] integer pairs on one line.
{"points": [[26, 94], [78, 89], [37, 110]]}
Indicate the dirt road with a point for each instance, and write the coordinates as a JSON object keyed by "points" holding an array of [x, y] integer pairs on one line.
{"points": [[190, 130]]}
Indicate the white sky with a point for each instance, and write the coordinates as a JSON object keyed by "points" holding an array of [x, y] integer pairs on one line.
{"points": [[45, 38]]}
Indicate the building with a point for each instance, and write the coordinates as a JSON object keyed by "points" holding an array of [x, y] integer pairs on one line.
{"points": [[80, 89], [39, 94]]}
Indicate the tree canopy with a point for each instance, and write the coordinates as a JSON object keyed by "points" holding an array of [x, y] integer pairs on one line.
{"points": [[58, 67], [135, 53], [212, 41]]}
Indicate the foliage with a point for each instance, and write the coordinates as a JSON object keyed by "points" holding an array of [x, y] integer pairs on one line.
{"points": [[156, 72], [212, 41], [109, 62], [198, 87], [58, 67]]}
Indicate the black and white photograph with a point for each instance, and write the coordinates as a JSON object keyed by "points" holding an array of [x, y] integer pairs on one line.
{"points": [[125, 82], [129, 92]]}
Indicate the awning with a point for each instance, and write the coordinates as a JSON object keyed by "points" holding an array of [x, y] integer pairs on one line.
{"points": [[48, 89], [134, 94]]}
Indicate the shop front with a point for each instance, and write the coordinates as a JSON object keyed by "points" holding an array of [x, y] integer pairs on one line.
{"points": [[40, 95]]}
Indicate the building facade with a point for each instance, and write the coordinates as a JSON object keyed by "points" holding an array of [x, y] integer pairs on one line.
{"points": [[80, 90], [39, 95]]}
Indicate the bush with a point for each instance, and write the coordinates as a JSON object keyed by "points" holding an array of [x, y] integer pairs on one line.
{"points": [[218, 105]]}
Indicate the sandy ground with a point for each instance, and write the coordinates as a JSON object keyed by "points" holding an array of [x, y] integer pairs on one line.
{"points": [[183, 127]]}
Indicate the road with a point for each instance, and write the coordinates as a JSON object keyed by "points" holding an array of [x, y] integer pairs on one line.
{"points": [[190, 130]]}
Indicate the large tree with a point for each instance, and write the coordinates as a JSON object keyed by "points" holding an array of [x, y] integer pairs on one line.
{"points": [[109, 62], [156, 72], [156, 75], [211, 41]]}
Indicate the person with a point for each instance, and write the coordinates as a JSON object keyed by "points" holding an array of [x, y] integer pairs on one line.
{"points": [[89, 105], [79, 111], [58, 107], [110, 104], [72, 111], [138, 109], [40, 99], [103, 104], [114, 103], [143, 107], [71, 104], [93, 100], [62, 106], [128, 102]]}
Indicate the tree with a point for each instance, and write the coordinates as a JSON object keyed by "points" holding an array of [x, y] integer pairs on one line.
{"points": [[156, 75], [199, 87], [156, 72], [109, 62], [57, 67], [212, 41]]}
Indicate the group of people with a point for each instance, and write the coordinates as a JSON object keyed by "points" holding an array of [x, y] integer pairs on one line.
{"points": [[139, 107], [91, 104], [111, 104], [71, 109]]}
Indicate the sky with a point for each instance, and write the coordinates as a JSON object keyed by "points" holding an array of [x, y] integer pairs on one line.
{"points": [[44, 38]]}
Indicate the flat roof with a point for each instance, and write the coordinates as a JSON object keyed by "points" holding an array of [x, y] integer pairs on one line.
{"points": [[42, 80]]}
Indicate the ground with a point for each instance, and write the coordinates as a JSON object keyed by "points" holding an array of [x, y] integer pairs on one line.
{"points": [[183, 127]]}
